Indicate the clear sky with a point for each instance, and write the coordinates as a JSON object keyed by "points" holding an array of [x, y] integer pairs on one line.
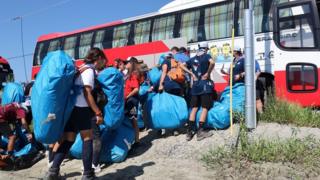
{"points": [[47, 16]]}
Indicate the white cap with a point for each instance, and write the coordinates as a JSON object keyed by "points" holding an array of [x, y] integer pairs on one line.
{"points": [[203, 45], [237, 48]]}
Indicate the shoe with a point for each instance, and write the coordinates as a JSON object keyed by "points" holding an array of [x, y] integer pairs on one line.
{"points": [[176, 133], [97, 169], [190, 134], [53, 174], [89, 175], [202, 134], [49, 164]]}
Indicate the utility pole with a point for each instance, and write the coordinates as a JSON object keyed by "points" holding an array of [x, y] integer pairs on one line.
{"points": [[22, 45], [250, 107]]}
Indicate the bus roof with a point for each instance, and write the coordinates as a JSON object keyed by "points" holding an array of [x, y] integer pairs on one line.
{"points": [[173, 6]]}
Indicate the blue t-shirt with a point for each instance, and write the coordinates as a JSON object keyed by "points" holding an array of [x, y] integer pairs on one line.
{"points": [[239, 67], [199, 66]]}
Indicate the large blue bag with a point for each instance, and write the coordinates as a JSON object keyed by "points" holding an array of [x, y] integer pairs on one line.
{"points": [[115, 144], [12, 92], [219, 115], [53, 97], [166, 111], [112, 84], [154, 76]]}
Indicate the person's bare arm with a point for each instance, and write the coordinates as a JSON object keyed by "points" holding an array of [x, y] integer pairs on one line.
{"points": [[163, 75], [183, 66], [211, 66], [92, 104], [134, 92]]}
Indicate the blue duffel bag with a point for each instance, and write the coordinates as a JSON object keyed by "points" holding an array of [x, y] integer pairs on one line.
{"points": [[115, 144], [112, 83], [53, 96], [166, 111], [12, 92], [219, 115]]}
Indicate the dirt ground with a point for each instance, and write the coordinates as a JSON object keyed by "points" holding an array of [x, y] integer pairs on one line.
{"points": [[172, 157]]}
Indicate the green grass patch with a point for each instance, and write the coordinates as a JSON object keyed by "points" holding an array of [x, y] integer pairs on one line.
{"points": [[303, 153], [283, 112]]}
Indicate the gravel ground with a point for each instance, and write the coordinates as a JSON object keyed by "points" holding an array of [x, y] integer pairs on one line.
{"points": [[172, 157]]}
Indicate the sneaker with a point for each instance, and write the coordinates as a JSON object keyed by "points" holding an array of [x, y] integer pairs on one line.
{"points": [[49, 164], [53, 175], [176, 133], [202, 134], [190, 134], [97, 169], [88, 175]]}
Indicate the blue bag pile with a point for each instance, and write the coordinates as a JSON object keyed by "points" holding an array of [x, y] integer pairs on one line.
{"points": [[12, 92], [115, 144], [219, 115], [154, 75], [166, 111], [111, 81], [21, 146], [53, 96]]}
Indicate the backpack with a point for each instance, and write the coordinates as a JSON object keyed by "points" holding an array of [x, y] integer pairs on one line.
{"points": [[176, 73]]}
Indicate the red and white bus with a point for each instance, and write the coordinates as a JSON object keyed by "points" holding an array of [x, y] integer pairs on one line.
{"points": [[286, 40]]}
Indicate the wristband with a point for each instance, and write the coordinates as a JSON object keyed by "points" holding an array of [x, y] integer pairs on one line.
{"points": [[99, 114]]}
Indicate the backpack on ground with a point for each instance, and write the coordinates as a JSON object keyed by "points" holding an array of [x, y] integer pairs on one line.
{"points": [[176, 73]]}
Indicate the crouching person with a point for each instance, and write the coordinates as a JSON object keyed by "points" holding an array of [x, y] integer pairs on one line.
{"points": [[11, 116], [200, 67], [81, 118]]}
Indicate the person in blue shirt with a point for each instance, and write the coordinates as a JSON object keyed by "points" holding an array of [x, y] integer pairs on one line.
{"points": [[200, 68], [239, 76]]}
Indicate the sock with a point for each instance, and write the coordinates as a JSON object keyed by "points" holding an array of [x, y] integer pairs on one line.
{"points": [[201, 125], [192, 125], [87, 149], [61, 153], [96, 151], [50, 154]]}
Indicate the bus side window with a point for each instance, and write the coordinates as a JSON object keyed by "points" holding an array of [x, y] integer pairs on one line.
{"points": [[85, 44], [54, 45], [121, 35], [40, 53], [70, 46], [189, 25], [99, 37], [219, 20], [142, 32], [163, 28]]}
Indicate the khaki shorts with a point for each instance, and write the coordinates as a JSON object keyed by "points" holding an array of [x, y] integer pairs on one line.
{"points": [[7, 129]]}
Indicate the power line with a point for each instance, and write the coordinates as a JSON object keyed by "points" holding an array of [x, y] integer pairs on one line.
{"points": [[31, 13], [20, 56]]}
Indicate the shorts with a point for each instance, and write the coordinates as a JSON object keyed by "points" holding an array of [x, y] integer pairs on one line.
{"points": [[204, 100], [7, 129], [80, 120]]}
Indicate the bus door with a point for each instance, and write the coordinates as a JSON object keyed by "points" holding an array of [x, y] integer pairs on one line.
{"points": [[297, 56]]}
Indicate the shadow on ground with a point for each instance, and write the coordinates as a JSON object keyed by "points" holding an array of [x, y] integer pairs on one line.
{"points": [[130, 172]]}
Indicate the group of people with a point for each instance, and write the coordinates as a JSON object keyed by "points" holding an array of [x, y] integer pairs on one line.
{"points": [[181, 75]]}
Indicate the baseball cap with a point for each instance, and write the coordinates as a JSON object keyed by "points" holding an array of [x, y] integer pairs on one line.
{"points": [[237, 48], [203, 45]]}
